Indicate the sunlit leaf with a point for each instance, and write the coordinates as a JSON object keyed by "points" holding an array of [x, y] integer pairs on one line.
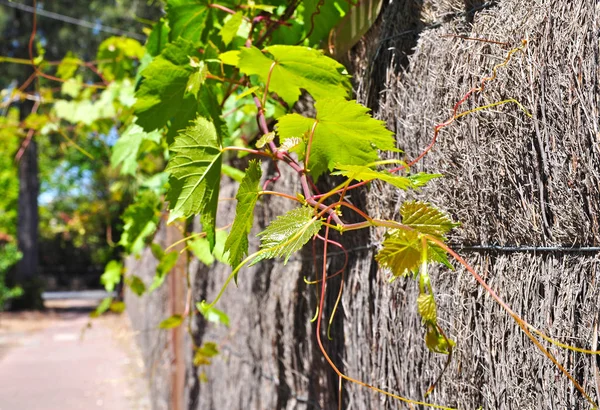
{"points": [[187, 18], [345, 134], [247, 195], [162, 95], [295, 68], [231, 27], [125, 151], [112, 275], [196, 174], [213, 314], [425, 218], [364, 173], [427, 308], [141, 219], [436, 342], [400, 252], [116, 57], [171, 322], [288, 233]]}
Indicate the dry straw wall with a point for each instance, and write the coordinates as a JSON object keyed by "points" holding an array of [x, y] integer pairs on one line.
{"points": [[512, 181]]}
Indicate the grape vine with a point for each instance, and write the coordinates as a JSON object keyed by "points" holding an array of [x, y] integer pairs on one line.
{"points": [[215, 81]]}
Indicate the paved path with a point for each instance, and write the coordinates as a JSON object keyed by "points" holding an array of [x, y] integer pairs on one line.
{"points": [[54, 361]]}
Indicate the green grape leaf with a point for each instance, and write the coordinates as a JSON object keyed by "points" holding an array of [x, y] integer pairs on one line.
{"points": [[68, 66], [140, 219], [436, 342], [247, 195], [201, 248], [136, 284], [203, 354], [162, 95], [125, 151], [187, 18], [231, 27], [212, 314], [345, 135], [158, 38], [287, 234], [117, 307], [231, 57], [112, 275], [296, 68], [166, 262], [437, 254], [425, 218], [233, 173], [427, 308], [102, 307], [422, 178], [171, 322], [401, 252], [364, 173], [116, 57], [195, 175], [197, 78]]}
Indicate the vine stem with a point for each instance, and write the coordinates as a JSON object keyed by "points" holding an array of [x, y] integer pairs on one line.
{"points": [[328, 359], [521, 322]]}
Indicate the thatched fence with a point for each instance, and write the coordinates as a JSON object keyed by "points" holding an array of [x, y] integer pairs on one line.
{"points": [[526, 190]]}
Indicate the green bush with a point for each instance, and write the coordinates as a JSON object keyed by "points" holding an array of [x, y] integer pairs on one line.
{"points": [[9, 255]]}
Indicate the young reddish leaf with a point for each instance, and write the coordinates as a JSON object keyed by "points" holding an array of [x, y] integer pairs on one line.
{"points": [[196, 174], [288, 233], [295, 68], [247, 195], [345, 135], [171, 322], [426, 219]]}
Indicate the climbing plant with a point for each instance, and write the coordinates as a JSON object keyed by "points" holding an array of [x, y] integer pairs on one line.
{"points": [[216, 81]]}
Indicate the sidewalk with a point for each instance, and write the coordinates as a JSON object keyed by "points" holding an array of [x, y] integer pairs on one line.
{"points": [[54, 361]]}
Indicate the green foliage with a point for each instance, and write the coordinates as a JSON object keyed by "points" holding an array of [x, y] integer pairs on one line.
{"points": [[126, 149], [196, 174], [136, 284], [141, 219], [237, 241], [162, 95], [187, 18], [288, 234], [345, 134], [213, 314], [294, 68], [171, 322], [9, 255], [166, 262], [116, 56], [200, 247], [112, 275], [426, 219]]}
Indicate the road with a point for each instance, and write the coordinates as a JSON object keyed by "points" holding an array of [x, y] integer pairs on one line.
{"points": [[60, 360]]}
